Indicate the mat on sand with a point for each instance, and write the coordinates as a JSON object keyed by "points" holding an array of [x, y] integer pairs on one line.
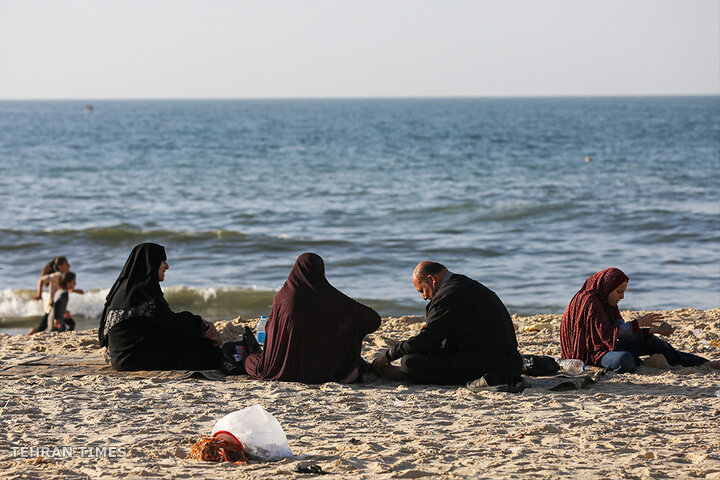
{"points": [[558, 382], [56, 365]]}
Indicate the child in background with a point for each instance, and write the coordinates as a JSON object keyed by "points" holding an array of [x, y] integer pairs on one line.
{"points": [[60, 315], [50, 277]]}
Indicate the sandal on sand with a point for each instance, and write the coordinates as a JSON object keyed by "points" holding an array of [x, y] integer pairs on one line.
{"points": [[490, 382]]}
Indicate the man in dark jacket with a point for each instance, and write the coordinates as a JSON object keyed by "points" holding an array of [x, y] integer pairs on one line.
{"points": [[468, 334]]}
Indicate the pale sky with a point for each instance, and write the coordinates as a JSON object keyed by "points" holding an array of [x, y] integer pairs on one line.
{"points": [[103, 49]]}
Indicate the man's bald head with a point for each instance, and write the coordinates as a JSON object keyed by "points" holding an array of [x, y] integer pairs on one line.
{"points": [[427, 277], [426, 268]]}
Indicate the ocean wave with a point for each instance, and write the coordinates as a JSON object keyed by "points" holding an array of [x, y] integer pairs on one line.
{"points": [[124, 233], [213, 303], [19, 246], [18, 304], [466, 206], [523, 210]]}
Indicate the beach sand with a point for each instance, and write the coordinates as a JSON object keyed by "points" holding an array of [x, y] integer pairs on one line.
{"points": [[654, 423]]}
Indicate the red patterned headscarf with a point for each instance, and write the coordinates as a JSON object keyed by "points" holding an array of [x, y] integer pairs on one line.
{"points": [[589, 325]]}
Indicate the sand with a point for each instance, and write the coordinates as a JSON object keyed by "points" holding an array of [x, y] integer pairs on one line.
{"points": [[658, 422]]}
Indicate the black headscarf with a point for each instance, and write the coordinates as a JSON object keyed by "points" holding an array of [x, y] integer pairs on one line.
{"points": [[138, 282]]}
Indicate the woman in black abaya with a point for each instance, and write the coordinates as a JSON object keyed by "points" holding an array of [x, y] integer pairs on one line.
{"points": [[139, 329]]}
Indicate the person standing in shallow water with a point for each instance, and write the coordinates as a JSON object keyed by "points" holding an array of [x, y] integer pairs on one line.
{"points": [[468, 334], [593, 330], [139, 329], [315, 332], [50, 277], [59, 316]]}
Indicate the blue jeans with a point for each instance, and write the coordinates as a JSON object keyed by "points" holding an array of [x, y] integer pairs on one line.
{"points": [[626, 355]]}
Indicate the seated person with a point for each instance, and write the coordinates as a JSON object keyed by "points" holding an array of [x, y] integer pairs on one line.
{"points": [[139, 329], [593, 331], [314, 333], [59, 314], [468, 334]]}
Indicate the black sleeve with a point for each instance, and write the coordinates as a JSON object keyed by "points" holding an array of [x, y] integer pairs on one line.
{"points": [[440, 322], [183, 323]]}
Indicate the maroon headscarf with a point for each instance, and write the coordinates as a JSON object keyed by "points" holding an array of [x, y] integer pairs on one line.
{"points": [[589, 325], [314, 333]]}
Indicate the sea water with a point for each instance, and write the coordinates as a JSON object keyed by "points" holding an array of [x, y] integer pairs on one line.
{"points": [[497, 189]]}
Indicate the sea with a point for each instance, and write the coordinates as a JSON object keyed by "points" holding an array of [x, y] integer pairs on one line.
{"points": [[529, 196]]}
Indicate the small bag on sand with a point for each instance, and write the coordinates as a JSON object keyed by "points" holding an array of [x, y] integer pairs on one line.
{"points": [[539, 365], [259, 432]]}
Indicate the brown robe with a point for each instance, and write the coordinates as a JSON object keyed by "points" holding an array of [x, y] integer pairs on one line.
{"points": [[314, 333]]}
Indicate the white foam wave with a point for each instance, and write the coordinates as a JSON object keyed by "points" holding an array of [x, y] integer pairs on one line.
{"points": [[19, 304]]}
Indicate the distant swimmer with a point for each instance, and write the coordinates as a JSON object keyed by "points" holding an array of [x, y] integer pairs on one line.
{"points": [[588, 159], [50, 277]]}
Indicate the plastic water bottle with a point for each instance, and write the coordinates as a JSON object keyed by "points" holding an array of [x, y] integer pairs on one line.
{"points": [[261, 330], [572, 365]]}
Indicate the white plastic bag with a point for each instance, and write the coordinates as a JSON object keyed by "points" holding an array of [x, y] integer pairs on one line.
{"points": [[259, 432]]}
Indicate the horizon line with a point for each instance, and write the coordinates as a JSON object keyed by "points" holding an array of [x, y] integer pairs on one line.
{"points": [[378, 97]]}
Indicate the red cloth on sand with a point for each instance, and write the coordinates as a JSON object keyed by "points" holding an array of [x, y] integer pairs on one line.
{"points": [[314, 333], [589, 325]]}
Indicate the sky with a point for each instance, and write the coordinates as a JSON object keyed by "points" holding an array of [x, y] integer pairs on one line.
{"points": [[112, 49]]}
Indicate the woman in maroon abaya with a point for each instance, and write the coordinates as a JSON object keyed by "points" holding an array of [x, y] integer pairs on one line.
{"points": [[314, 333], [593, 331]]}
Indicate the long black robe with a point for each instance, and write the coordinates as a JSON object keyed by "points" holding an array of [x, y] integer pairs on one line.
{"points": [[148, 334]]}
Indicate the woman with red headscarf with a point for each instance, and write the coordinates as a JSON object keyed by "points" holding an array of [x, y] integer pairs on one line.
{"points": [[315, 332], [593, 331]]}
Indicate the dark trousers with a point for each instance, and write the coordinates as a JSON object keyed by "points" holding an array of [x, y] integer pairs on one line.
{"points": [[69, 325], [458, 369], [626, 354], [43, 324]]}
